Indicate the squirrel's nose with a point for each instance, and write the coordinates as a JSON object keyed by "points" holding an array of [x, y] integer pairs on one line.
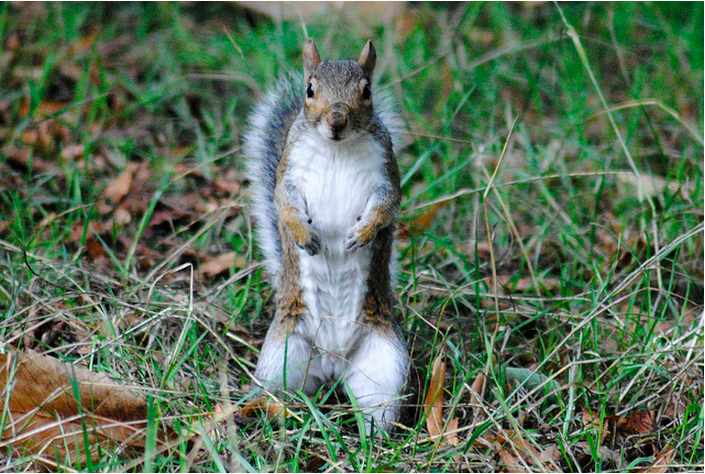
{"points": [[338, 119]]}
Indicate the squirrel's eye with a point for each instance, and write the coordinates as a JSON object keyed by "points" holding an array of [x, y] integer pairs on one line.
{"points": [[309, 91], [366, 92]]}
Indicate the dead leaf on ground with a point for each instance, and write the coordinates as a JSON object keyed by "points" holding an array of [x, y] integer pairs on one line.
{"points": [[477, 392], [662, 461], [94, 249], [520, 453], [59, 411], [119, 188], [220, 263], [433, 405], [638, 422], [420, 223], [271, 408], [592, 420], [73, 152], [511, 462]]}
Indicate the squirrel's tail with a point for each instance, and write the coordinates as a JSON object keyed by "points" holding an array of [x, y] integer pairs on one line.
{"points": [[264, 143], [386, 109]]}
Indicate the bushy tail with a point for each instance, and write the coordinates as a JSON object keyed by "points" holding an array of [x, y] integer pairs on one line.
{"points": [[386, 109], [264, 143]]}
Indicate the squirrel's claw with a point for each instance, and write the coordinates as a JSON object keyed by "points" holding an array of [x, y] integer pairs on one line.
{"points": [[354, 241], [313, 246], [351, 244]]}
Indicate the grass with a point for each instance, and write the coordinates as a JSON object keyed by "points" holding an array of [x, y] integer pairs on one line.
{"points": [[552, 227]]}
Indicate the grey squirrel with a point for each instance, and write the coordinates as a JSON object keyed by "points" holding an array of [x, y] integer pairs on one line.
{"points": [[326, 192]]}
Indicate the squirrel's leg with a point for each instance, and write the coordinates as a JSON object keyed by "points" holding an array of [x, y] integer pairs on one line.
{"points": [[376, 377], [379, 360], [285, 361]]}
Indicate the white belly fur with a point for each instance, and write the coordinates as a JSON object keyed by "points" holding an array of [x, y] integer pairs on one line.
{"points": [[337, 180]]}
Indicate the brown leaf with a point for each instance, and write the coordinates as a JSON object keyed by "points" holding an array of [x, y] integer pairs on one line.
{"points": [[638, 422], [478, 389], [271, 407], [546, 457], [73, 152], [420, 223], [94, 249], [57, 410], [424, 221], [661, 462], [119, 188], [451, 436], [433, 405], [219, 264], [477, 392], [511, 463], [232, 187], [452, 433]]}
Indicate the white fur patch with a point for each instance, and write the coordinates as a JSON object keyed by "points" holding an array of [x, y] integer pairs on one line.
{"points": [[337, 180]]}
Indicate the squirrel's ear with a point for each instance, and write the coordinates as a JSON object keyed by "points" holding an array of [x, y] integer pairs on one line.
{"points": [[368, 58], [311, 58]]}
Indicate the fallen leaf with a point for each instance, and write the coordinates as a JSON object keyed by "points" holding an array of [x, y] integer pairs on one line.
{"points": [[452, 433], [420, 223], [424, 221], [122, 216], [73, 152], [638, 422], [451, 436], [219, 264], [662, 461], [477, 389], [477, 392], [232, 187], [58, 411], [119, 188], [94, 249], [511, 462], [272, 408], [592, 420], [545, 457], [45, 107], [433, 405]]}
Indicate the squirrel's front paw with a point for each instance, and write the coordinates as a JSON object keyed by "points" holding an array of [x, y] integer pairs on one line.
{"points": [[313, 245], [356, 238], [305, 237]]}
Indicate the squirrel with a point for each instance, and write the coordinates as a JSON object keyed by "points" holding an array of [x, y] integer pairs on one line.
{"points": [[326, 191]]}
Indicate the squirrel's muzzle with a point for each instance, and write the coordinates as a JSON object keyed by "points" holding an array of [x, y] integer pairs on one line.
{"points": [[337, 119]]}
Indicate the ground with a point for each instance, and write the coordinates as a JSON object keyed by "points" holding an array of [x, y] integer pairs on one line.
{"points": [[550, 240]]}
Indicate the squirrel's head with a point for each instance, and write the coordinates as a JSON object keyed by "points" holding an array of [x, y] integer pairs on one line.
{"points": [[338, 94]]}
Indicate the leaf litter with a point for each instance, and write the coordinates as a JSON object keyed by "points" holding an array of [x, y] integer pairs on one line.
{"points": [[55, 410]]}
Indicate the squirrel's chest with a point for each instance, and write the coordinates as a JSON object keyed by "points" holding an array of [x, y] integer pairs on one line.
{"points": [[337, 181]]}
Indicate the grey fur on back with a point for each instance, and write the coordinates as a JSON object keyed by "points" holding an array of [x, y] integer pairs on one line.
{"points": [[264, 142]]}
